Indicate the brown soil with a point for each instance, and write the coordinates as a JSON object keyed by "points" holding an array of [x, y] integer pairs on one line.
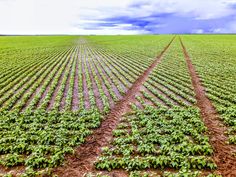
{"points": [[82, 162], [223, 153]]}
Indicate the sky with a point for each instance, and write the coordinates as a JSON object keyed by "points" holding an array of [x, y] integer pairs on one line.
{"points": [[117, 16]]}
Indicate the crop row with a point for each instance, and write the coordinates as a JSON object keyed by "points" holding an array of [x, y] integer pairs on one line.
{"points": [[19, 52], [164, 132], [159, 139], [214, 61], [85, 78], [27, 85], [49, 84], [39, 140], [169, 84]]}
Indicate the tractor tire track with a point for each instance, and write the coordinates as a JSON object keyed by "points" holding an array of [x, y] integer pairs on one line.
{"points": [[223, 153], [85, 155]]}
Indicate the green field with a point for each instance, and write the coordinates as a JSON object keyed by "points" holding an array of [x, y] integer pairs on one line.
{"points": [[56, 91]]}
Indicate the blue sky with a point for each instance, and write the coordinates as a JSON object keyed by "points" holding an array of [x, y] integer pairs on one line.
{"points": [[117, 16]]}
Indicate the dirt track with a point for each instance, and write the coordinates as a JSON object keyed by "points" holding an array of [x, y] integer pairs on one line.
{"points": [[82, 162], [223, 155]]}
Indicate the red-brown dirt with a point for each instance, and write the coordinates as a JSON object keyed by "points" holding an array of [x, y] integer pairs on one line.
{"points": [[82, 162], [223, 153]]}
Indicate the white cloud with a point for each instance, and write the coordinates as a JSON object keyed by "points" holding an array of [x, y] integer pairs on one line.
{"points": [[200, 9], [198, 31], [53, 16], [72, 16], [109, 31], [227, 28]]}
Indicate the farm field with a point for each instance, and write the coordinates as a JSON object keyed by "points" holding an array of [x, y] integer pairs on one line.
{"points": [[144, 105]]}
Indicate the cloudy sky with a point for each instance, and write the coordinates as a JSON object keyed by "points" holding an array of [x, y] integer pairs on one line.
{"points": [[117, 16]]}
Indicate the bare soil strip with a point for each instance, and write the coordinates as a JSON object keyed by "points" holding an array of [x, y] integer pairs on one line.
{"points": [[82, 162], [223, 153]]}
